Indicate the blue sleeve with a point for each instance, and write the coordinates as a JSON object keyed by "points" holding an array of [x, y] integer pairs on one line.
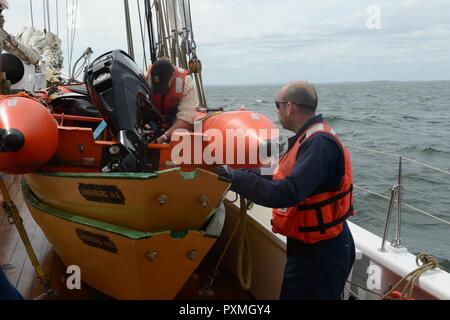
{"points": [[319, 165], [7, 291]]}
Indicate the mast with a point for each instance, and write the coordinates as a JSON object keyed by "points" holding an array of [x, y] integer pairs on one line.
{"points": [[128, 27], [176, 39], [151, 31]]}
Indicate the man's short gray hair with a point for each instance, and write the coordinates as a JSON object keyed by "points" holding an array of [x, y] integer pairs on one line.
{"points": [[303, 95]]}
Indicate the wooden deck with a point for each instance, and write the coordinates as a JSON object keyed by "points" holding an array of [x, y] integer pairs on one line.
{"points": [[20, 272]]}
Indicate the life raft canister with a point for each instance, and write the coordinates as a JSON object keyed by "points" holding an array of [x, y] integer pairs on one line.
{"points": [[172, 98], [319, 217]]}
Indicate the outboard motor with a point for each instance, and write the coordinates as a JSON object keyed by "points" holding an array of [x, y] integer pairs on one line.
{"points": [[122, 95]]}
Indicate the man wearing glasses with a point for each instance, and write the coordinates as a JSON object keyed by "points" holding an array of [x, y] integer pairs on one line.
{"points": [[311, 193]]}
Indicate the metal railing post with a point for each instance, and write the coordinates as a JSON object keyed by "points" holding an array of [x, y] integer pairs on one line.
{"points": [[397, 242], [394, 192]]}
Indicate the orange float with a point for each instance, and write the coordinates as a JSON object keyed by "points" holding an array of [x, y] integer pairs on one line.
{"points": [[28, 135]]}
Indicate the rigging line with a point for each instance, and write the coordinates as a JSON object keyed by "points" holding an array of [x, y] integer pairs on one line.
{"points": [[190, 25], [404, 158], [426, 165], [427, 214], [187, 27], [177, 44], [45, 17], [57, 18], [375, 151], [74, 19], [128, 29], [67, 31], [48, 15], [166, 23], [142, 33], [32, 17], [406, 205], [150, 30]]}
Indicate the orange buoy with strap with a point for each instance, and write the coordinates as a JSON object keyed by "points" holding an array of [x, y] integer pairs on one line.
{"points": [[28, 134]]}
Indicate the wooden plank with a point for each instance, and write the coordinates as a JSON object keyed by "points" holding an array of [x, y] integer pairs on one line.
{"points": [[10, 235], [28, 274], [19, 255], [17, 197]]}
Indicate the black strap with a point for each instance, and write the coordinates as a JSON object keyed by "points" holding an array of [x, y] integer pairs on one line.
{"points": [[322, 227], [324, 203]]}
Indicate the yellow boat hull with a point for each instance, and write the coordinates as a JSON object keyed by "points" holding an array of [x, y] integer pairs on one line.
{"points": [[120, 262], [169, 199]]}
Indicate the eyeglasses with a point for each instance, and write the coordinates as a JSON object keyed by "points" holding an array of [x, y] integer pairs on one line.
{"points": [[278, 103]]}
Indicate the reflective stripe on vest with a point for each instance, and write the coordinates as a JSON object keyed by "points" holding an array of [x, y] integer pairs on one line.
{"points": [[321, 216], [166, 103]]}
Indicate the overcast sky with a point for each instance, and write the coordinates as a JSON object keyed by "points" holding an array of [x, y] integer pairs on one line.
{"points": [[261, 41]]}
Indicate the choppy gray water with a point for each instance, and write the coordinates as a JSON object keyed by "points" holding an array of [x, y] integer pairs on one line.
{"points": [[411, 119]]}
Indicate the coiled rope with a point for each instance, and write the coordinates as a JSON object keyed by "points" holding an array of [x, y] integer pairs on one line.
{"points": [[244, 251], [428, 261]]}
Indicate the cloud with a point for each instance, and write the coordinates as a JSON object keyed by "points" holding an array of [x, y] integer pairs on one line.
{"points": [[249, 41]]}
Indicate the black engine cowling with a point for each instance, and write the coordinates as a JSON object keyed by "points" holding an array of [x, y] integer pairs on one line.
{"points": [[122, 95]]}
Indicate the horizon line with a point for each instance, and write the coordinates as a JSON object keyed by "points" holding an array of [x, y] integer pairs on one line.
{"points": [[318, 82]]}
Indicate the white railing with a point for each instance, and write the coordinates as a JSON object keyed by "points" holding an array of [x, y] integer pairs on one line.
{"points": [[396, 193]]}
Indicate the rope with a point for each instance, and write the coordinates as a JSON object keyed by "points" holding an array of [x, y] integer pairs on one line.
{"points": [[45, 16], [67, 34], [244, 250], [142, 34], [150, 30], [426, 165], [57, 18], [404, 158], [406, 205], [128, 28], [13, 215], [364, 288], [243, 247], [74, 29], [375, 151], [32, 17], [429, 262], [48, 16]]}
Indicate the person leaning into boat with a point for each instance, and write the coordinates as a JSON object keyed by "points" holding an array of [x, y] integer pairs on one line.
{"points": [[312, 192], [174, 95]]}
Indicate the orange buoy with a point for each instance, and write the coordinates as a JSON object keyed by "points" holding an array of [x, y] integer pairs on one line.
{"points": [[247, 137], [240, 139], [28, 135]]}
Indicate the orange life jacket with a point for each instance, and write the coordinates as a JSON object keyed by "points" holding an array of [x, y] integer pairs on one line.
{"points": [[320, 216], [172, 98]]}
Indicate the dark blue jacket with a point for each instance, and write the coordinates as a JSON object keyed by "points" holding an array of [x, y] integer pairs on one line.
{"points": [[7, 291], [319, 168]]}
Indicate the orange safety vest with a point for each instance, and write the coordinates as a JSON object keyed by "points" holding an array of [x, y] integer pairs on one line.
{"points": [[321, 216], [172, 98]]}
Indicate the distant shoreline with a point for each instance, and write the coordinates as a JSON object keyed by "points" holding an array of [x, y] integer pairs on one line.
{"points": [[325, 83]]}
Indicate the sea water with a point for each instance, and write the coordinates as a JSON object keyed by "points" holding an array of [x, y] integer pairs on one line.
{"points": [[411, 119]]}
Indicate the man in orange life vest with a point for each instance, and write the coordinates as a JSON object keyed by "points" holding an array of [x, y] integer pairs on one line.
{"points": [[174, 95], [311, 193]]}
